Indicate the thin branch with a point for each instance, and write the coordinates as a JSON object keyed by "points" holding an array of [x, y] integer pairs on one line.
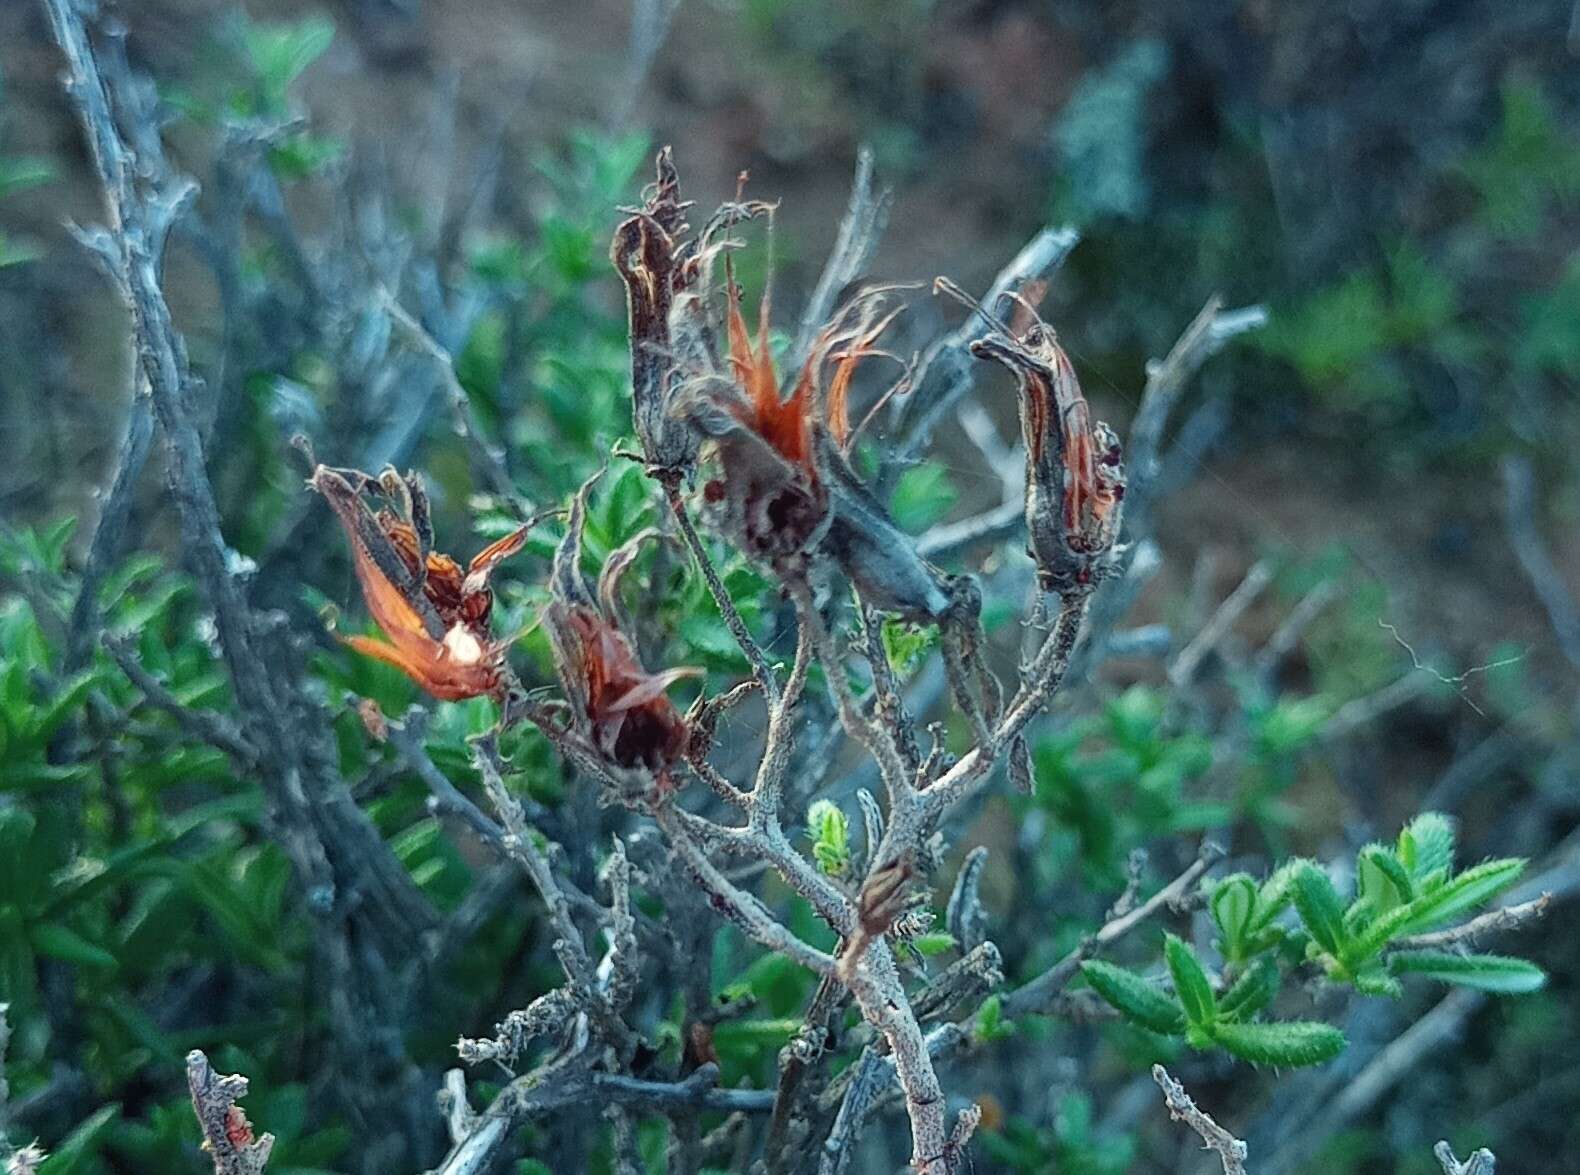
{"points": [[1478, 1162], [877, 739], [992, 526], [227, 1135], [1042, 681], [1288, 633], [1233, 607], [741, 908], [866, 215], [755, 656], [115, 511], [1230, 1150], [1039, 994], [948, 370], [207, 726], [1520, 513], [1492, 922], [488, 459]]}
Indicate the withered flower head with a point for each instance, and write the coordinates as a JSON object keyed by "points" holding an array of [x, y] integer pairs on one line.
{"points": [[434, 616], [1075, 482], [619, 707], [666, 276], [786, 489]]}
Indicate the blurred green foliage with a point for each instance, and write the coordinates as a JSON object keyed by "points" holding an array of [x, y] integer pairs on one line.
{"points": [[1401, 890]]}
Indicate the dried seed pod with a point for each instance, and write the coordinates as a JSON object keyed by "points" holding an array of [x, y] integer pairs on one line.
{"points": [[666, 276], [619, 707], [644, 252], [434, 616], [1075, 482]]}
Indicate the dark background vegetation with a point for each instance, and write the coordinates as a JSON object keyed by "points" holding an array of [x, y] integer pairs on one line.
{"points": [[1398, 182]]}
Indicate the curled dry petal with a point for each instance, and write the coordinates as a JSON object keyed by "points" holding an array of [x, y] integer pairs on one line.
{"points": [[1075, 482], [434, 616], [621, 708], [786, 491]]}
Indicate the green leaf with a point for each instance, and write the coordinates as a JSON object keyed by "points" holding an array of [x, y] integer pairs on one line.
{"points": [[20, 878], [1494, 973], [990, 1023], [282, 52], [61, 942], [1252, 992], [907, 644], [62, 705], [1190, 981], [1373, 979], [934, 942], [1276, 893], [829, 828], [1135, 998], [81, 1144], [1233, 904], [20, 172], [1381, 878], [1426, 846], [1289, 1044], [1470, 889], [1320, 909]]}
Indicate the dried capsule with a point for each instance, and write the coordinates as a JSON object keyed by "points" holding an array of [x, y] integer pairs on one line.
{"points": [[1075, 482]]}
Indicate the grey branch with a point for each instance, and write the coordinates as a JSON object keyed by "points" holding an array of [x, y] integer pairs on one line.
{"points": [[489, 459], [1229, 1149], [1233, 607], [866, 215], [753, 652], [1039, 994], [948, 370], [226, 1133], [206, 725], [1492, 922], [1478, 1162], [1520, 485]]}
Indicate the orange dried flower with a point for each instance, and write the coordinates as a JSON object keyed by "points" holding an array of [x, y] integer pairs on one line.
{"points": [[434, 616], [773, 447], [619, 707]]}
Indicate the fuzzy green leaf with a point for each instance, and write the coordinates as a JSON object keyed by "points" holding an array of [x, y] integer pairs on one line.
{"points": [[1190, 981], [1379, 934], [933, 942], [1233, 905], [1320, 909], [1374, 980], [1276, 893], [1472, 888], [990, 1022], [1252, 992], [1288, 1044], [1426, 846], [1494, 973], [1381, 878], [1135, 998], [829, 829]]}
